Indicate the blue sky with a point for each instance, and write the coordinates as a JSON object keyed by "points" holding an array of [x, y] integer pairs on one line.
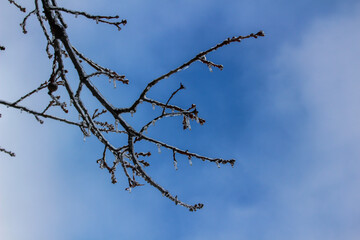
{"points": [[285, 106]]}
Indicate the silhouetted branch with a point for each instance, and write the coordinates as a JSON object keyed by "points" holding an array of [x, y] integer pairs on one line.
{"points": [[42, 86], [17, 5], [54, 27], [11, 154], [38, 114], [23, 24]]}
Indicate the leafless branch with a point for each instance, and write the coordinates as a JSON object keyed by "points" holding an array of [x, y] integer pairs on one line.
{"points": [[97, 18], [17, 5], [11, 154], [38, 114], [172, 95], [23, 24], [54, 27], [42, 86], [101, 70], [198, 57]]}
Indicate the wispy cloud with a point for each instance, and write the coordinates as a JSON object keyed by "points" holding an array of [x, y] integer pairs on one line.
{"points": [[313, 192]]}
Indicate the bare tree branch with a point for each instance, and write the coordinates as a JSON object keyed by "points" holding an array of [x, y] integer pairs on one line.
{"points": [[23, 24], [42, 86], [199, 57], [11, 154], [97, 18], [38, 114], [49, 15], [17, 5]]}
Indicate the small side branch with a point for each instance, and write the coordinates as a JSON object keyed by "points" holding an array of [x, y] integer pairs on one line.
{"points": [[38, 114], [42, 86], [189, 154], [210, 64], [172, 95], [11, 154], [97, 18], [148, 179], [200, 56], [17, 5], [23, 24], [101, 70], [40, 19]]}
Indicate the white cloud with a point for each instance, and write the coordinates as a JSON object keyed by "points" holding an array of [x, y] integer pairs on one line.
{"points": [[321, 199], [314, 194], [325, 66]]}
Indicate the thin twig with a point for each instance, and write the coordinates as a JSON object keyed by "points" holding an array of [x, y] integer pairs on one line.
{"points": [[42, 86], [97, 18], [11, 154], [172, 95], [148, 179], [17, 5], [23, 24], [22, 108], [188, 63]]}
